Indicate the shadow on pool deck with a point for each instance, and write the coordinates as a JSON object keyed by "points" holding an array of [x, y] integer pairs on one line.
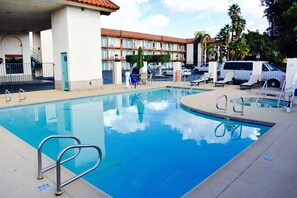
{"points": [[268, 168]]}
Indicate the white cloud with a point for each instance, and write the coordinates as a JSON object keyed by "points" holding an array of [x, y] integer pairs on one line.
{"points": [[132, 16], [187, 6], [181, 18], [253, 12]]}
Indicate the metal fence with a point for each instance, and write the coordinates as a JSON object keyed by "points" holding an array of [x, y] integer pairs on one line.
{"points": [[26, 76]]}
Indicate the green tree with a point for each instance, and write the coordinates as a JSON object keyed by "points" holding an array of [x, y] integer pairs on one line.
{"points": [[234, 13], [240, 24], [139, 58], [263, 44], [238, 49], [282, 18], [202, 38], [131, 59], [223, 38]]}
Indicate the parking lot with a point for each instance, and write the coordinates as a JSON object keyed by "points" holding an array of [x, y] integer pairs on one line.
{"points": [[107, 77]]}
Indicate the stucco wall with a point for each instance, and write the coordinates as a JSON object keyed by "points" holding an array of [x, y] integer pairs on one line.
{"points": [[77, 32], [16, 43], [60, 39], [190, 58]]}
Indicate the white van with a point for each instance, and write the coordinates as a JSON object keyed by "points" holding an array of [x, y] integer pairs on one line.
{"points": [[243, 69]]}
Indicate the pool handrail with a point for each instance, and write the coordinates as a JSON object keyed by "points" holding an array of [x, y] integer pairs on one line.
{"points": [[7, 96], [234, 105], [265, 85], [226, 103], [20, 95], [39, 153], [59, 162], [281, 93]]}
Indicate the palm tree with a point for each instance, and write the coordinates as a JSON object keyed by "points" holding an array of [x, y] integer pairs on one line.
{"points": [[240, 24], [223, 38], [234, 12], [238, 49], [242, 48], [202, 38]]}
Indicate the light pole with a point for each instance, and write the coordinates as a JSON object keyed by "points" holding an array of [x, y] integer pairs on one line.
{"points": [[258, 56]]}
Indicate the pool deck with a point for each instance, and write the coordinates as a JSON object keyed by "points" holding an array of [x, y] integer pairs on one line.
{"points": [[267, 168]]}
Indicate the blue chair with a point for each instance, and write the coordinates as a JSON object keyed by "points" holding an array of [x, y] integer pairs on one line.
{"points": [[133, 80]]}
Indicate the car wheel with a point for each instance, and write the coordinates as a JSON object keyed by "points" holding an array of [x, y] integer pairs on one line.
{"points": [[195, 71], [164, 74], [273, 83]]}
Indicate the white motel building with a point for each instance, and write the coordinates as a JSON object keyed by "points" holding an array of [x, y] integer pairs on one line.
{"points": [[68, 34]]}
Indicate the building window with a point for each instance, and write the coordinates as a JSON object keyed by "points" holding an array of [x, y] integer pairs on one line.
{"points": [[14, 64], [104, 65], [103, 41], [111, 42], [148, 44], [111, 53], [104, 53]]}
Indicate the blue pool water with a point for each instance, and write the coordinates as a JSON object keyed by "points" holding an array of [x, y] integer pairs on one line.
{"points": [[264, 103], [152, 147]]}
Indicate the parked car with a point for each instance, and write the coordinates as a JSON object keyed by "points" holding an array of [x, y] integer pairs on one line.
{"points": [[189, 66], [154, 67], [184, 72], [204, 68]]}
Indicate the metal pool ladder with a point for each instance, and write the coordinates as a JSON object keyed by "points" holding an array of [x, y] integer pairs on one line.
{"points": [[265, 85], [20, 95], [242, 104], [226, 103], [59, 160], [7, 96], [281, 93]]}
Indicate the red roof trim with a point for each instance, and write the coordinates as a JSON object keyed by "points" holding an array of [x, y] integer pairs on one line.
{"points": [[98, 3]]}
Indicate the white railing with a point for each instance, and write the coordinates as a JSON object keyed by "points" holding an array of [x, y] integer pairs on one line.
{"points": [[265, 85]]}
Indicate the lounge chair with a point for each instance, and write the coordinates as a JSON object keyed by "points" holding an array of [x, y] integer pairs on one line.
{"points": [[133, 80], [228, 78], [254, 79], [204, 78]]}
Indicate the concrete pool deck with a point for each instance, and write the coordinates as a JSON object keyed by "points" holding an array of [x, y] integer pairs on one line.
{"points": [[268, 168]]}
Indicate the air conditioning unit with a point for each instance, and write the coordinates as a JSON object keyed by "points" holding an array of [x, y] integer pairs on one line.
{"points": [[111, 57], [111, 45]]}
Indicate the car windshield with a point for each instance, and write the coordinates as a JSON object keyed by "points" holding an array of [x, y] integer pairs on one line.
{"points": [[270, 67]]}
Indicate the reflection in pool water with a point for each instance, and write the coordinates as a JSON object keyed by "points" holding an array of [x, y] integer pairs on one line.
{"points": [[151, 146]]}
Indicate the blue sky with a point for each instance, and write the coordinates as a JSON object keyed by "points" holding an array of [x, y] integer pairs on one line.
{"points": [[180, 18]]}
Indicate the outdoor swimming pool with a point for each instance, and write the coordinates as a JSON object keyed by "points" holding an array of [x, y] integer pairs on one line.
{"points": [[152, 147]]}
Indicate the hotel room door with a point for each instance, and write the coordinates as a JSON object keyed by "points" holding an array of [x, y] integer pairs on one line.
{"points": [[64, 64]]}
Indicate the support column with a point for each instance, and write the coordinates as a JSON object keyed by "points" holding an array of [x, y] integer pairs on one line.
{"points": [[177, 71], [77, 33], [213, 69], [117, 73]]}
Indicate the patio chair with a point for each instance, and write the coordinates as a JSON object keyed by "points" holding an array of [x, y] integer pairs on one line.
{"points": [[133, 80], [228, 78], [204, 78], [254, 79]]}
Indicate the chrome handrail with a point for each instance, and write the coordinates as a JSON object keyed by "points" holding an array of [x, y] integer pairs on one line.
{"points": [[242, 105], [58, 164], [39, 155], [226, 102], [281, 93], [20, 95], [7, 96], [265, 85]]}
